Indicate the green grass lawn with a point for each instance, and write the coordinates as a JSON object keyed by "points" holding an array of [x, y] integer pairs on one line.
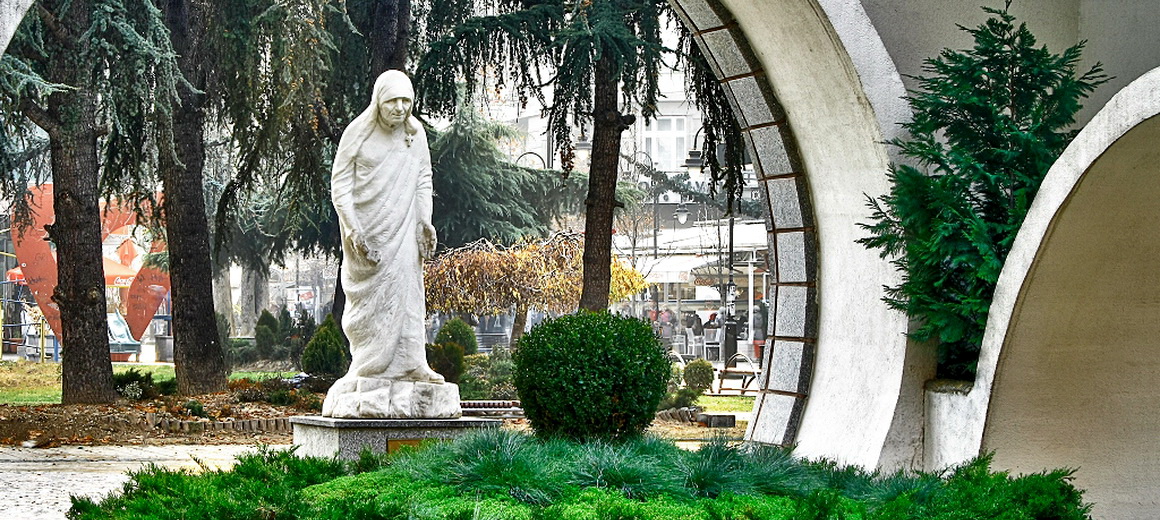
{"points": [[25, 383], [726, 403]]}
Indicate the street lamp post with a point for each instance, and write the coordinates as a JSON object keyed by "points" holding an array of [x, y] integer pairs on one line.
{"points": [[694, 163], [656, 230]]}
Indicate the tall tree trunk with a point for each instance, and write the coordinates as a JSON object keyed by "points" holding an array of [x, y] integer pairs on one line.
{"points": [[197, 350], [223, 301], [86, 373], [518, 324], [608, 124], [390, 25], [254, 297]]}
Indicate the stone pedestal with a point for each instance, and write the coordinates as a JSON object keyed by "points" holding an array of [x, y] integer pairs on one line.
{"points": [[318, 436]]}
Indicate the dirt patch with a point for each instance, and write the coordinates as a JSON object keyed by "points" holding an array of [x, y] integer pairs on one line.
{"points": [[125, 423]]}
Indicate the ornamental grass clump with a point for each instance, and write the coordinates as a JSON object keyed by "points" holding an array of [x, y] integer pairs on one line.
{"points": [[500, 474], [590, 375]]}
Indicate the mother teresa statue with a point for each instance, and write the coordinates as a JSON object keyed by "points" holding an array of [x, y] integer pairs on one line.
{"points": [[381, 189]]}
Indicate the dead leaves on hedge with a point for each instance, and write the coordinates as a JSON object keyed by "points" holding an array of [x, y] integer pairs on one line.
{"points": [[487, 279]]}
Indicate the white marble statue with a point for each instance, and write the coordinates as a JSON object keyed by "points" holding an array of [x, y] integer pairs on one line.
{"points": [[381, 189]]}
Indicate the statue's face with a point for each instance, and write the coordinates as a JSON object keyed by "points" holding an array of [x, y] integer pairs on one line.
{"points": [[394, 111]]}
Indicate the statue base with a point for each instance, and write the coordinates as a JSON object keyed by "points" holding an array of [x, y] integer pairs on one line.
{"points": [[317, 436], [370, 398]]}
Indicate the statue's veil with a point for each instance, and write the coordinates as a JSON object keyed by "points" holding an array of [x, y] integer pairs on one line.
{"points": [[390, 85]]}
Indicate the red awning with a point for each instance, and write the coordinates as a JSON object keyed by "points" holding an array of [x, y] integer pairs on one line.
{"points": [[116, 274]]}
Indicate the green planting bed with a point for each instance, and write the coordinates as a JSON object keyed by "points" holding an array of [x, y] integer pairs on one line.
{"points": [[508, 475]]}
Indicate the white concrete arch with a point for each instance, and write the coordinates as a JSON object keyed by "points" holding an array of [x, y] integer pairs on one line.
{"points": [[11, 13], [1070, 364], [817, 95]]}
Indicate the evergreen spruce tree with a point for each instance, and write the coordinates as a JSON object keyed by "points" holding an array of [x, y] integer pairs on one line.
{"points": [[97, 77], [479, 193], [988, 123]]}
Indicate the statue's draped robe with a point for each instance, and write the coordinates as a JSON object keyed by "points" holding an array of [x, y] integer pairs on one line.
{"points": [[384, 317], [381, 189]]}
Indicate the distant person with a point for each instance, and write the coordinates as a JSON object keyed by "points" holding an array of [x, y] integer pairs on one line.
{"points": [[694, 323]]}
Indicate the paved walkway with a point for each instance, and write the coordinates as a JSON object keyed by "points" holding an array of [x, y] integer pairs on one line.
{"points": [[35, 484]]}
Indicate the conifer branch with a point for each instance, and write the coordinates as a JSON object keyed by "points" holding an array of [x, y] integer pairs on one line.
{"points": [[53, 24], [40, 117]]}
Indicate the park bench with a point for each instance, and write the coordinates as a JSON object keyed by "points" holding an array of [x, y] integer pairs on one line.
{"points": [[747, 375]]}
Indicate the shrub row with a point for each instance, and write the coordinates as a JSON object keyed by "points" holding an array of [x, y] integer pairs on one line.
{"points": [[506, 475]]}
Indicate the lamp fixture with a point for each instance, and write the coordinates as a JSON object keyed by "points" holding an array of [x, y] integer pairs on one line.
{"points": [[681, 213]]}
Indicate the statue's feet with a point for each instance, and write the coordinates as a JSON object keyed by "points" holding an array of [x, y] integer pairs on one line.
{"points": [[423, 375]]}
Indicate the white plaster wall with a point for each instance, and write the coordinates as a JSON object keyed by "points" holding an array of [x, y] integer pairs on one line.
{"points": [[11, 13], [861, 345], [914, 31], [1123, 35]]}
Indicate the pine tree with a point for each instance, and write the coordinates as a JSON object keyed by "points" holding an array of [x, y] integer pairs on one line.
{"points": [[199, 358], [479, 193], [988, 123], [98, 77], [593, 55]]}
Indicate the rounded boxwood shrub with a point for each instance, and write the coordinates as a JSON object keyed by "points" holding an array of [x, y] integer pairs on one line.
{"points": [[325, 354], [590, 375], [699, 375], [458, 331], [447, 360]]}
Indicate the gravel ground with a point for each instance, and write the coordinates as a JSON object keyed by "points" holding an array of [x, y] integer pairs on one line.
{"points": [[35, 484]]}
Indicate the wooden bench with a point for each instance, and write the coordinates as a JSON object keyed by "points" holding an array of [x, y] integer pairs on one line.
{"points": [[747, 376]]}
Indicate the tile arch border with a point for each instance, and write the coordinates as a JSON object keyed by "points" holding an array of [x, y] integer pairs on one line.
{"points": [[814, 350], [787, 365]]}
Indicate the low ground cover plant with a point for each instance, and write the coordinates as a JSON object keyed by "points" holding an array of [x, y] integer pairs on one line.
{"points": [[501, 474]]}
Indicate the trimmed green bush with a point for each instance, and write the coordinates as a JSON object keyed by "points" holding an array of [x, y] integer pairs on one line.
{"points": [[269, 321], [240, 351], [680, 398], [447, 359], [458, 331], [488, 376], [590, 375], [264, 340], [699, 375], [325, 354], [474, 383], [135, 385]]}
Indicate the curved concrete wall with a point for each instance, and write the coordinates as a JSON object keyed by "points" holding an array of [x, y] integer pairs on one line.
{"points": [[835, 368], [11, 13], [1072, 339]]}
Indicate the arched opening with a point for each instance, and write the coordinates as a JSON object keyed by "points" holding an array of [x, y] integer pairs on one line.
{"points": [[1073, 351]]}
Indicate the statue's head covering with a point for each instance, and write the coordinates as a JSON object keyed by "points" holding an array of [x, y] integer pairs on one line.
{"points": [[389, 85]]}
